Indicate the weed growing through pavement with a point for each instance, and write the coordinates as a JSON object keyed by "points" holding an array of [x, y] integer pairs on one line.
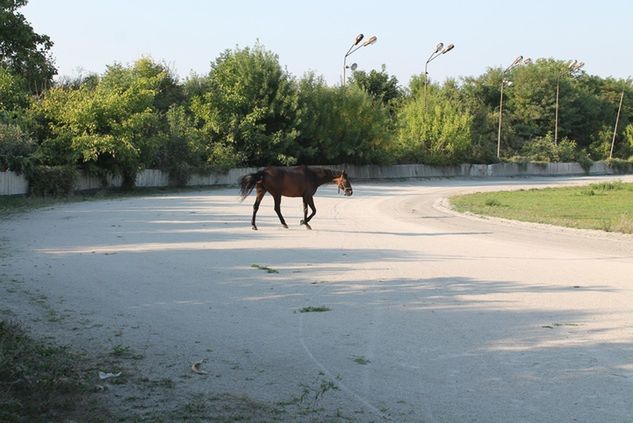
{"points": [[266, 268], [312, 309]]}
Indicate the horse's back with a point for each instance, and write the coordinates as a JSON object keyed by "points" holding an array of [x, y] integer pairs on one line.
{"points": [[289, 181]]}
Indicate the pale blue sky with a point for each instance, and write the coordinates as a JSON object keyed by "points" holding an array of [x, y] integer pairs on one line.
{"points": [[314, 35]]}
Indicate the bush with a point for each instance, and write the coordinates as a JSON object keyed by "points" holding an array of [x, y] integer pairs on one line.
{"points": [[543, 149], [620, 166], [434, 130], [54, 181], [223, 158], [16, 149]]}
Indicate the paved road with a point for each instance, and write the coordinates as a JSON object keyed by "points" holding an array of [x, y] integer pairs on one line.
{"points": [[432, 316]]}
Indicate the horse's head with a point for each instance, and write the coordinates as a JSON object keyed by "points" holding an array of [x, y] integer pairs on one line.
{"points": [[342, 181]]}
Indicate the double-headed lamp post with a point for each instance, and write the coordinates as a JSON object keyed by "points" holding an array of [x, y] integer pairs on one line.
{"points": [[518, 61], [572, 66], [355, 46], [439, 50]]}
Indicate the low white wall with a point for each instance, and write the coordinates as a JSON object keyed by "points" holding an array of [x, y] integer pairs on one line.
{"points": [[14, 184]]}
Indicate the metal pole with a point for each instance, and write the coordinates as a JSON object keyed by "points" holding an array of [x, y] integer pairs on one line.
{"points": [[556, 118], [426, 79], [617, 118], [500, 115]]}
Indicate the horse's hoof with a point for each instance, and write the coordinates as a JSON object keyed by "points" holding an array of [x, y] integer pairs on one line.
{"points": [[285, 226], [254, 228], [302, 222], [308, 226]]}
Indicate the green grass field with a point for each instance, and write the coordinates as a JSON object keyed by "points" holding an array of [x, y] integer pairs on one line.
{"points": [[604, 206]]}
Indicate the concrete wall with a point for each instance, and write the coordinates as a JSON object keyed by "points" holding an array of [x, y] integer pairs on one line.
{"points": [[14, 184]]}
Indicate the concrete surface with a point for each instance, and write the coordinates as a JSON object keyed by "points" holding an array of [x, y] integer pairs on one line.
{"points": [[433, 316]]}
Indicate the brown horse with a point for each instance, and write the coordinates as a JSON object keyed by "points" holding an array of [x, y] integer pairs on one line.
{"points": [[299, 181]]}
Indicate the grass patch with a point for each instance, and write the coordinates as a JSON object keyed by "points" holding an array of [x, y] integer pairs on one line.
{"points": [[602, 206], [266, 268], [40, 382], [312, 309], [361, 360]]}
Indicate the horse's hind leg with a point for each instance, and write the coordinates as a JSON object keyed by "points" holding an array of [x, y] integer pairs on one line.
{"points": [[260, 194], [277, 199]]}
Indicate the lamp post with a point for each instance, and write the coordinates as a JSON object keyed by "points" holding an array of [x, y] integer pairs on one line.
{"points": [[439, 50], [572, 66], [617, 118], [518, 61], [355, 46]]}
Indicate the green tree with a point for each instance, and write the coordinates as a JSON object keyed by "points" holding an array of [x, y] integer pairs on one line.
{"points": [[22, 50], [115, 124], [341, 124], [380, 85], [13, 92], [249, 106], [435, 129]]}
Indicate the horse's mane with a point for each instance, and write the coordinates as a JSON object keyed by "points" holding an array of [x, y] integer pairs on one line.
{"points": [[329, 172]]}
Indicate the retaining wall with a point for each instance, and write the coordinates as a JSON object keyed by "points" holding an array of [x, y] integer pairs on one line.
{"points": [[14, 184]]}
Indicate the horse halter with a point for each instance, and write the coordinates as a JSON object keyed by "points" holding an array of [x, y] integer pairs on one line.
{"points": [[343, 184]]}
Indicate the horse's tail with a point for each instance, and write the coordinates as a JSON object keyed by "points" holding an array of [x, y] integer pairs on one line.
{"points": [[248, 182]]}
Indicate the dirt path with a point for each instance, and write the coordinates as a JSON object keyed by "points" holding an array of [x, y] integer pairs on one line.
{"points": [[414, 313]]}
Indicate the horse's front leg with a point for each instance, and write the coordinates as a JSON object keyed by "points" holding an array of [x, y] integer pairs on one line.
{"points": [[305, 214], [278, 210], [310, 202]]}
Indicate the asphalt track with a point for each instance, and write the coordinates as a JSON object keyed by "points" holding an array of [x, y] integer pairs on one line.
{"points": [[431, 315]]}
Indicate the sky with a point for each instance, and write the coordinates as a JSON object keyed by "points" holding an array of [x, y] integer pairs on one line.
{"points": [[188, 35]]}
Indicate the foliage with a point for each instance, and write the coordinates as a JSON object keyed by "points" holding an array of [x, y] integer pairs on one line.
{"points": [[626, 147], [16, 148], [620, 165], [379, 85], [543, 149], [114, 124], [341, 124], [249, 106], [52, 181], [433, 129], [248, 110], [22, 50], [13, 91]]}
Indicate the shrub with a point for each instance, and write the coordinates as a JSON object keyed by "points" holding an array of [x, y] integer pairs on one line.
{"points": [[620, 166], [55, 181], [16, 149], [543, 149], [435, 130]]}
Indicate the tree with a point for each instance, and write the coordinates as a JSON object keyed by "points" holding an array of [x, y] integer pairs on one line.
{"points": [[379, 85], [22, 50], [436, 129], [114, 125], [341, 124], [250, 106]]}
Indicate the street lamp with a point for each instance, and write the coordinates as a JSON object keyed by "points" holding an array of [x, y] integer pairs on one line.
{"points": [[572, 66], [617, 118], [439, 50], [518, 61], [355, 46]]}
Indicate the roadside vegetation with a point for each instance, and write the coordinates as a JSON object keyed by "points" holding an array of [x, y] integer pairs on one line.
{"points": [[603, 206], [248, 110], [40, 382]]}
